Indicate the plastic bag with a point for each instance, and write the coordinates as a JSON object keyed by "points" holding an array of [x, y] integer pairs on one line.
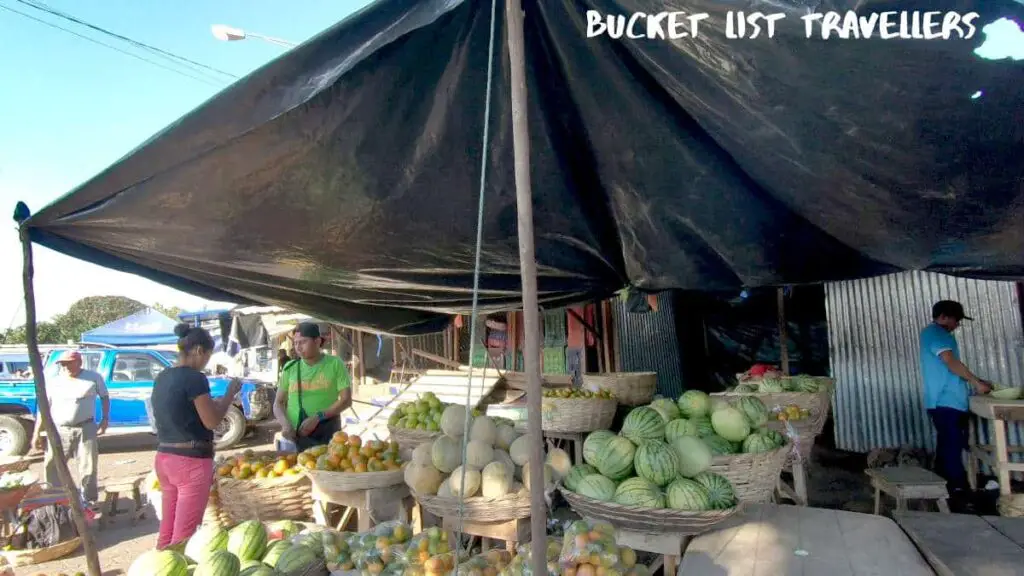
{"points": [[438, 565], [589, 548], [489, 563], [431, 542], [521, 565]]}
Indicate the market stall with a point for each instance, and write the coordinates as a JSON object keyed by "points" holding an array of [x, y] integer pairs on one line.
{"points": [[996, 409]]}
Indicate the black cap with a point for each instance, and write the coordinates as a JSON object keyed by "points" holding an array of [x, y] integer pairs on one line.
{"points": [[949, 308], [308, 330]]}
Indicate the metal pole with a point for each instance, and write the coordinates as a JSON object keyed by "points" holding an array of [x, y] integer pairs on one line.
{"points": [[92, 559], [780, 297], [528, 271]]}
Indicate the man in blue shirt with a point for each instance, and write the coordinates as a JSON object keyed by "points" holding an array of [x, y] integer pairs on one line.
{"points": [[947, 387]]}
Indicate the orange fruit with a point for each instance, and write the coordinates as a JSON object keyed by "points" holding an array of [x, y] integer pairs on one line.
{"points": [[355, 441], [361, 467]]}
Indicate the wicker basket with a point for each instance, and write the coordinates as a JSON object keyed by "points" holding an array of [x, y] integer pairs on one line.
{"points": [[10, 498], [629, 388], [753, 476], [647, 520], [17, 558], [408, 440], [577, 414], [352, 481], [16, 466], [477, 508], [285, 498]]}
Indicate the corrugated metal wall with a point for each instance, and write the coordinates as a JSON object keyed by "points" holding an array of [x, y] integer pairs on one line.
{"points": [[874, 326], [648, 343]]}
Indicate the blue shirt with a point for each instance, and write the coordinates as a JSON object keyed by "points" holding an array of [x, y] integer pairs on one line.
{"points": [[941, 387]]}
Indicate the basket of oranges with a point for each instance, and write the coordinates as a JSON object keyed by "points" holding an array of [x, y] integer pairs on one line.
{"points": [[348, 463], [264, 486]]}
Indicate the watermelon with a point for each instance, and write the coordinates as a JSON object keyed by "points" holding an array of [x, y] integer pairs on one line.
{"points": [[667, 408], [694, 456], [803, 383], [159, 563], [616, 460], [758, 442], [248, 540], [720, 491], [282, 530], [731, 424], [251, 564], [686, 494], [274, 552], [719, 446], [703, 425], [643, 424], [694, 403], [222, 563], [754, 410], [678, 428], [597, 487], [261, 570], [577, 473], [595, 444], [209, 538], [776, 437], [656, 462], [744, 389], [639, 492], [295, 560], [770, 386]]}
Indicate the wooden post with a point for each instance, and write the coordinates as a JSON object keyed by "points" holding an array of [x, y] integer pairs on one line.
{"points": [[528, 272], [92, 558], [780, 297], [362, 365]]}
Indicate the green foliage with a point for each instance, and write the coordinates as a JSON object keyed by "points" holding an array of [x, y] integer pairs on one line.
{"points": [[82, 316]]}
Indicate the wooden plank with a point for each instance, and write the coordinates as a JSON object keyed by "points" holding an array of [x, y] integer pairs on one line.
{"points": [[985, 407], [903, 475], [1012, 528], [962, 545], [773, 540]]}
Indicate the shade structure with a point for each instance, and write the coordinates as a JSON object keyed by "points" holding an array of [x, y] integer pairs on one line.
{"points": [[145, 328]]}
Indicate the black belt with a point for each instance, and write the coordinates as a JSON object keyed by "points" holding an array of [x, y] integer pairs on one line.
{"points": [[191, 444]]}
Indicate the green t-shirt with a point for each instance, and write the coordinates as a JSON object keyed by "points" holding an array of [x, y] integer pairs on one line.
{"points": [[320, 383]]}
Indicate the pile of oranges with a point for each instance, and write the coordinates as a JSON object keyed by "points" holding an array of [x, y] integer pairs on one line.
{"points": [[249, 465], [347, 453]]}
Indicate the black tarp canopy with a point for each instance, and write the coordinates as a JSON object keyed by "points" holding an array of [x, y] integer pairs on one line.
{"points": [[341, 179]]}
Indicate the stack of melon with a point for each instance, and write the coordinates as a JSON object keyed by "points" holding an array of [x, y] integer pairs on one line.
{"points": [[495, 459], [772, 384]]}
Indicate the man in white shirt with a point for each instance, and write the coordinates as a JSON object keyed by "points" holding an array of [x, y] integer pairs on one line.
{"points": [[72, 392]]}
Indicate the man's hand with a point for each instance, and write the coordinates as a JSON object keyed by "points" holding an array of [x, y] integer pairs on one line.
{"points": [[234, 387], [102, 428], [287, 432], [983, 386], [308, 425]]}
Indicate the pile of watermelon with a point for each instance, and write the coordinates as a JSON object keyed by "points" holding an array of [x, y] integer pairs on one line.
{"points": [[775, 382]]}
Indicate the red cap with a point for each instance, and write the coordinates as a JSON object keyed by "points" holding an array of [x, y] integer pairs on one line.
{"points": [[69, 356]]}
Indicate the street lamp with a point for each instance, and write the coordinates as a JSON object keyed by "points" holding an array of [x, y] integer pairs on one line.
{"points": [[231, 34]]}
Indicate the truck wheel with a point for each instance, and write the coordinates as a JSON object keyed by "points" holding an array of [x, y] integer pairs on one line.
{"points": [[231, 429], [13, 436]]}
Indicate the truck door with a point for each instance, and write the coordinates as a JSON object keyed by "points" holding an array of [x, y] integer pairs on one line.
{"points": [[130, 384]]}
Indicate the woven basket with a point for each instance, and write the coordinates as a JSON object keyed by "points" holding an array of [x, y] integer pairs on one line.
{"points": [[629, 388], [17, 466], [753, 476], [477, 508], [10, 498], [647, 520], [285, 498], [577, 414], [1011, 505], [39, 555], [408, 440], [352, 481]]}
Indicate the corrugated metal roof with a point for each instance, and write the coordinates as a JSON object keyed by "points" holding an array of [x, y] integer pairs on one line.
{"points": [[648, 343], [874, 325]]}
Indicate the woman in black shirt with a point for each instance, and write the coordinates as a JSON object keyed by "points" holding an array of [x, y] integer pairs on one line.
{"points": [[186, 416]]}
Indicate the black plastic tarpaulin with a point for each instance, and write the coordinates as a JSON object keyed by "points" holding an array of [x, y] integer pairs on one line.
{"points": [[341, 179]]}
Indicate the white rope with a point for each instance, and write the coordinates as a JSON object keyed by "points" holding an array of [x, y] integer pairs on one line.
{"points": [[484, 157]]}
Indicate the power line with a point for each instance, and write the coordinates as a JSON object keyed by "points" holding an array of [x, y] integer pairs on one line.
{"points": [[207, 81], [44, 8]]}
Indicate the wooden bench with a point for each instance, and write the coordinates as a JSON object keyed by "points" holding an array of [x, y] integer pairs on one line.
{"points": [[111, 494], [908, 483]]}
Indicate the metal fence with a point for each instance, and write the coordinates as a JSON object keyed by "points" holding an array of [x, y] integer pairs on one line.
{"points": [[649, 343]]}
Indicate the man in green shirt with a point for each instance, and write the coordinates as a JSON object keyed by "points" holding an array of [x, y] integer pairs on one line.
{"points": [[312, 391]]}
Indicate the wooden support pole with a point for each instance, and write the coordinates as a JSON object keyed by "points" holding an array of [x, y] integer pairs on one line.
{"points": [[780, 297], [528, 272], [92, 558]]}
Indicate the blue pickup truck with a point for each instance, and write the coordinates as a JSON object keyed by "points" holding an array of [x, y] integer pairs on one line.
{"points": [[129, 373]]}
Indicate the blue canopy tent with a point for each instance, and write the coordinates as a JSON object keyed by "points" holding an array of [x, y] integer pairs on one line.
{"points": [[145, 328]]}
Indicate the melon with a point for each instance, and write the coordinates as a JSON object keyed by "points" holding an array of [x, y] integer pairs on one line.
{"points": [[616, 460], [667, 408], [295, 560], [478, 454], [445, 489], [694, 455], [282, 529], [453, 420], [720, 491], [643, 424], [258, 571], [770, 386], [656, 462], [594, 445], [248, 540], [758, 442], [274, 552], [577, 473], [422, 478], [803, 383], [597, 487], [446, 453], [209, 538], [243, 566], [495, 480], [506, 436], [421, 454], [559, 461], [159, 563], [483, 430], [520, 450], [719, 446], [717, 403], [222, 563], [703, 424], [744, 389], [502, 456], [731, 424], [638, 492], [686, 494], [754, 410], [549, 476], [471, 485], [775, 436], [678, 428], [694, 403]]}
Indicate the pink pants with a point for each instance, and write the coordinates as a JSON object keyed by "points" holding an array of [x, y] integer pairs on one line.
{"points": [[184, 490]]}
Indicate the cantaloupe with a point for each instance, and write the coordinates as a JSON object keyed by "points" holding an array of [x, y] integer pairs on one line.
{"points": [[549, 475], [453, 420], [502, 456], [520, 450], [559, 461], [472, 485], [483, 430], [506, 436], [421, 454], [423, 478], [445, 489], [478, 454], [496, 480], [446, 453]]}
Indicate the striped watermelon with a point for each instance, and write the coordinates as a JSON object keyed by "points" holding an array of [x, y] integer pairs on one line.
{"points": [[719, 446], [657, 462], [597, 487], [221, 563], [639, 492], [720, 491], [667, 408], [248, 540], [770, 386], [643, 423], [686, 494], [678, 428], [251, 564], [616, 459], [758, 442], [261, 570], [577, 473], [274, 552], [694, 403], [703, 424], [754, 410], [295, 560], [159, 563], [209, 538], [776, 437], [594, 445]]}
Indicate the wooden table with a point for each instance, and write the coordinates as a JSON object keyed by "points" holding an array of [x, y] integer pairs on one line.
{"points": [[783, 540], [908, 483], [372, 506], [997, 456], [964, 545]]}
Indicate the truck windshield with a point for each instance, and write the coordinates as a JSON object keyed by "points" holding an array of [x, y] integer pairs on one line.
{"points": [[171, 357]]}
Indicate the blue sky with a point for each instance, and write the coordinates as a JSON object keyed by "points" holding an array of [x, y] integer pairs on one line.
{"points": [[71, 108]]}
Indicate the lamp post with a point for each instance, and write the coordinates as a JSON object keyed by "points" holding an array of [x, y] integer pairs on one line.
{"points": [[231, 34]]}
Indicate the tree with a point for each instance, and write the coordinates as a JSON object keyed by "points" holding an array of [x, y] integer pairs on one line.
{"points": [[169, 311], [93, 312]]}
